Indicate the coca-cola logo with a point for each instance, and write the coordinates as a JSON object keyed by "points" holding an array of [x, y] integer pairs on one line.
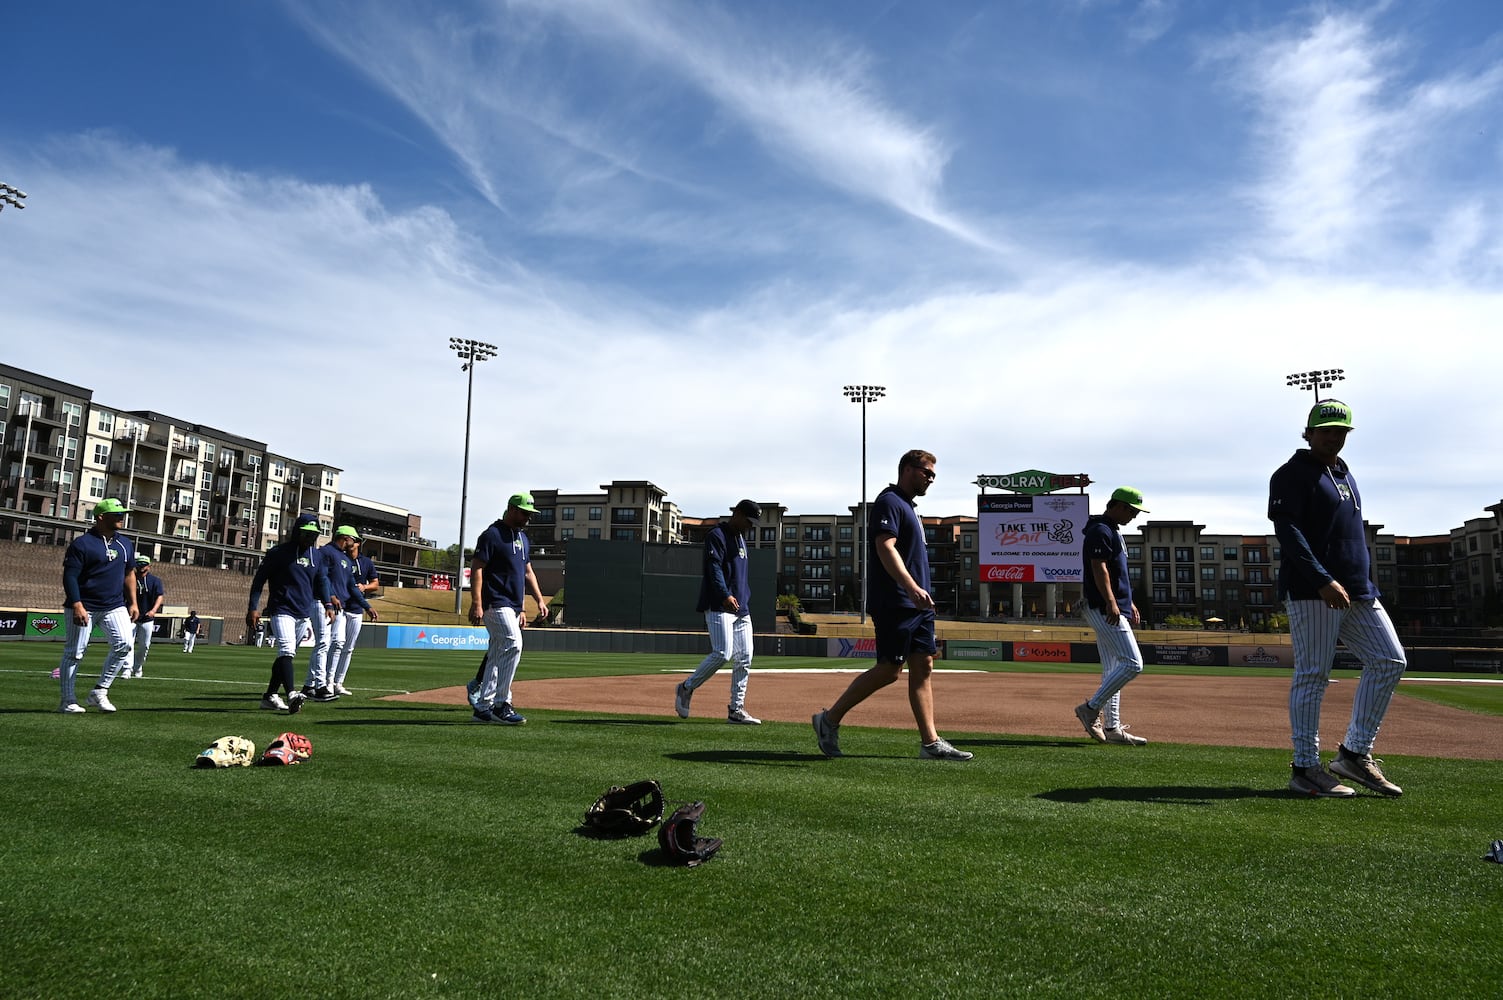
{"points": [[1016, 574]]}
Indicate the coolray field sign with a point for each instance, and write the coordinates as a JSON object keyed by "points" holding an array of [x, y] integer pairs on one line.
{"points": [[1031, 538], [1034, 481]]}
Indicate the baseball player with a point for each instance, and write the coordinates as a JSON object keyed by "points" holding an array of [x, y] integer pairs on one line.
{"points": [[500, 577], [897, 583], [328, 639], [1110, 611], [149, 597], [356, 607], [190, 631], [298, 592], [725, 599], [1324, 581], [95, 590]]}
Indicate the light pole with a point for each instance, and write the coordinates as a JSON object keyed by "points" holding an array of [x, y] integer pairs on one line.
{"points": [[471, 352], [863, 394], [1316, 380]]}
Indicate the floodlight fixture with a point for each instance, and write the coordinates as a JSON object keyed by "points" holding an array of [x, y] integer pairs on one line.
{"points": [[1320, 378], [863, 394], [471, 352]]}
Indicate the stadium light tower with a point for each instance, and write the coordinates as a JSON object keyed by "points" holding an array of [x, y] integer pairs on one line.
{"points": [[471, 352], [863, 394], [12, 196], [1316, 380]]}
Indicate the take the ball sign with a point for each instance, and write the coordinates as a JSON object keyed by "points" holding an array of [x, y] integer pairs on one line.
{"points": [[1031, 539]]}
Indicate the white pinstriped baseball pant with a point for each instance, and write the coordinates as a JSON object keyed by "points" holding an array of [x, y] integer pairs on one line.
{"points": [[730, 642], [328, 642], [1367, 631], [116, 626], [502, 655], [1121, 661]]}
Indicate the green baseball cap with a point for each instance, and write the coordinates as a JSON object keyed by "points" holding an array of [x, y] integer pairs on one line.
{"points": [[110, 505], [1130, 496], [345, 531], [1329, 413], [522, 501], [143, 560], [307, 522]]}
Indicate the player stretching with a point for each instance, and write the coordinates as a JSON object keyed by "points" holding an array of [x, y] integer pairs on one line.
{"points": [[1316, 511]]}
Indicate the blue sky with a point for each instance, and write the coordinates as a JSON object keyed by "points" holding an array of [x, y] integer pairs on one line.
{"points": [[1075, 235]]}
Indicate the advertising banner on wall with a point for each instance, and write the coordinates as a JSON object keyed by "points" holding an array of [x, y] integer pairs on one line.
{"points": [[1194, 656], [860, 648], [1041, 652], [1031, 539], [436, 637], [1259, 656]]}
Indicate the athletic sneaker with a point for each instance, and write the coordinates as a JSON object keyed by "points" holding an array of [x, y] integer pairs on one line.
{"points": [[472, 693], [1363, 769], [738, 717], [324, 694], [941, 750], [295, 702], [681, 696], [307, 691], [124, 675], [273, 703], [1121, 735], [1091, 719], [341, 690], [100, 698], [71, 708], [826, 733], [482, 715], [506, 715], [1317, 782], [138, 675]]}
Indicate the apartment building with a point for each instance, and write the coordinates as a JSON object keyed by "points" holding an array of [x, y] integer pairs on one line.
{"points": [[41, 435], [625, 510]]}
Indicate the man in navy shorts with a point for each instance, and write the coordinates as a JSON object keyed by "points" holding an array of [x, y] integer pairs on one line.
{"points": [[897, 581]]}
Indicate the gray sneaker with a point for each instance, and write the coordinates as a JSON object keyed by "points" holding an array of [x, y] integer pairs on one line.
{"points": [[826, 734], [99, 698], [1091, 719], [1121, 735], [738, 717], [273, 703], [1317, 782], [681, 696], [940, 749], [472, 693], [1363, 769]]}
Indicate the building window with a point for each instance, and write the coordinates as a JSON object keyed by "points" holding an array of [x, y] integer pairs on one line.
{"points": [[1385, 554], [595, 533], [1184, 595], [1160, 574], [1229, 554], [1184, 574], [1135, 573], [965, 562], [104, 421], [74, 412], [846, 532], [1160, 554], [1183, 555], [595, 514], [276, 494], [274, 521], [816, 552], [790, 533], [1135, 553], [1207, 593], [566, 514], [624, 535], [565, 534], [1161, 595], [769, 535], [1208, 572], [846, 551], [1207, 552], [101, 454], [328, 478], [930, 533], [96, 487], [328, 505], [790, 552], [625, 515], [967, 541], [1231, 573]]}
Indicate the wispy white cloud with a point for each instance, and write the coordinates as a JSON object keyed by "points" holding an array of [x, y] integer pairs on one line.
{"points": [[1352, 142]]}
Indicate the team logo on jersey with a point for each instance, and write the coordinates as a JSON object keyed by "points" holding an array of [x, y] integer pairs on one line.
{"points": [[516, 544], [1344, 490], [304, 561], [741, 550]]}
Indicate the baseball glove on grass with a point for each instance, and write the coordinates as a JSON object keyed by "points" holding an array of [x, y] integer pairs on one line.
{"points": [[227, 751], [626, 812], [680, 840], [287, 749]]}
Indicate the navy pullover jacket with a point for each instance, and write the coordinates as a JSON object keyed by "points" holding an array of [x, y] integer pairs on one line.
{"points": [[94, 570], [724, 574], [1317, 515], [298, 584]]}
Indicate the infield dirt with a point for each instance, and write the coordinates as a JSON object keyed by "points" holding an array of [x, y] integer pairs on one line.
{"points": [[1220, 711]]}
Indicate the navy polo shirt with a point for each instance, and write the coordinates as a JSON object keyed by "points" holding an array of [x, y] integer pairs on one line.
{"points": [[1102, 542], [1316, 511], [504, 552], [894, 514]]}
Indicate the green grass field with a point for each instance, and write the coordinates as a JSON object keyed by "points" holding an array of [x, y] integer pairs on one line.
{"points": [[418, 854]]}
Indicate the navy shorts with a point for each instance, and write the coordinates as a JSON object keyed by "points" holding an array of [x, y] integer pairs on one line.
{"points": [[903, 632]]}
